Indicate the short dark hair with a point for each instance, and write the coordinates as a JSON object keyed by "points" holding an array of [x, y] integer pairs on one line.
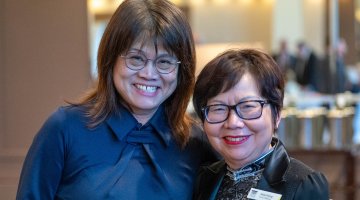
{"points": [[226, 70], [163, 23]]}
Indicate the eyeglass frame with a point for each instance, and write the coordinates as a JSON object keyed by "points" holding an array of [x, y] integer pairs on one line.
{"points": [[176, 64], [233, 107]]}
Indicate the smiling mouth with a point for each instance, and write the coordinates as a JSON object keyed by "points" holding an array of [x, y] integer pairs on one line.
{"points": [[146, 88], [236, 139]]}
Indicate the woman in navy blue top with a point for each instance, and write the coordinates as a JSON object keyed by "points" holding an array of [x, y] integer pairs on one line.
{"points": [[129, 138]]}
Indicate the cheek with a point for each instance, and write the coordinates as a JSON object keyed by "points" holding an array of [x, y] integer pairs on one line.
{"points": [[173, 77], [171, 81], [263, 124], [211, 130]]}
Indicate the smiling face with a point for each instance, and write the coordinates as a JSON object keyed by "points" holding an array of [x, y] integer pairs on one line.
{"points": [[146, 89], [241, 141]]}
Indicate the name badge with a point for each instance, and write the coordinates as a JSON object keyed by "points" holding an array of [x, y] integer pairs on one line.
{"points": [[262, 195]]}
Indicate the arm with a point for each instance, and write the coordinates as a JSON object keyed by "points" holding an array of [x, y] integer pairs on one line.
{"points": [[44, 162]]}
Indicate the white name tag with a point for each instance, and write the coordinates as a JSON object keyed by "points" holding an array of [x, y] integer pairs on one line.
{"points": [[262, 195]]}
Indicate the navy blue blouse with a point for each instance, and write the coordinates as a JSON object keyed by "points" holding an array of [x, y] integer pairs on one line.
{"points": [[119, 159]]}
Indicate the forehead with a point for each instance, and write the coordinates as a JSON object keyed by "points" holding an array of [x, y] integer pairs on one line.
{"points": [[246, 81], [245, 88], [247, 84]]}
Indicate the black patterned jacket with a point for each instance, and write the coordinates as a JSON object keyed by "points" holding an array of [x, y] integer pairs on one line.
{"points": [[282, 175]]}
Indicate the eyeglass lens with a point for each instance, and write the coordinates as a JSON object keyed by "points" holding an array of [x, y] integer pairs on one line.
{"points": [[163, 63], [245, 110]]}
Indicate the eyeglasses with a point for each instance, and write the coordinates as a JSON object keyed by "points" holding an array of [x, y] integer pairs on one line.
{"points": [[164, 64], [217, 113]]}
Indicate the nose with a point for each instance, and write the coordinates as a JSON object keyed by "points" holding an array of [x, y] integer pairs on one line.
{"points": [[149, 71], [234, 121]]}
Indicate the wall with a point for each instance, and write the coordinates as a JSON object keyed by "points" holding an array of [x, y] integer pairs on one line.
{"points": [[299, 20], [265, 22], [314, 24], [232, 21], [43, 60], [287, 23], [2, 75]]}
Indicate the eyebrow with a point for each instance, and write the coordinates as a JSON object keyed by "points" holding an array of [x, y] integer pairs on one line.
{"points": [[251, 98], [158, 53], [247, 98], [133, 49]]}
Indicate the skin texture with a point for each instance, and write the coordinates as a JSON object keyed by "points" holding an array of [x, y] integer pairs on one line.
{"points": [[241, 141], [146, 89]]}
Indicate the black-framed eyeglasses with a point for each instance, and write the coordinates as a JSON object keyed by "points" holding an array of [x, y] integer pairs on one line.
{"points": [[250, 109], [164, 64]]}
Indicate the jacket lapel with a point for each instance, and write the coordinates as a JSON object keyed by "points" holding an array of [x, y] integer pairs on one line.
{"points": [[212, 179], [277, 164]]}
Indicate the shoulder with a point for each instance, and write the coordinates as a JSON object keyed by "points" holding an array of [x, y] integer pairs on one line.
{"points": [[311, 184], [302, 171], [212, 169], [209, 177], [67, 114], [63, 119], [216, 167], [291, 177], [299, 168]]}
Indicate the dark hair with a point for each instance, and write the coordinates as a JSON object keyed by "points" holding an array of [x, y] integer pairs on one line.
{"points": [[163, 23], [226, 70]]}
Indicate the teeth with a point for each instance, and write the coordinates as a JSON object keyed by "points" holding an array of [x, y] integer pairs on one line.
{"points": [[235, 139], [146, 88]]}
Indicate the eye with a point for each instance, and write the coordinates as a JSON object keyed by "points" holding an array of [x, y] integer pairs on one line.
{"points": [[136, 57], [247, 106], [165, 61], [217, 109]]}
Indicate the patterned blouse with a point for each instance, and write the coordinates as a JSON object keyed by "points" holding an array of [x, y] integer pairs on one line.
{"points": [[237, 183]]}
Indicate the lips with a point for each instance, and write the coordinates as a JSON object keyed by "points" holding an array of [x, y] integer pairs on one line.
{"points": [[146, 88], [234, 140]]}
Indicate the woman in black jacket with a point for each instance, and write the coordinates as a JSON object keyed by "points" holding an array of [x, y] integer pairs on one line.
{"points": [[239, 97]]}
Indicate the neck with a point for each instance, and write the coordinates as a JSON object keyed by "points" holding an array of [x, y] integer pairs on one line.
{"points": [[237, 166], [143, 117]]}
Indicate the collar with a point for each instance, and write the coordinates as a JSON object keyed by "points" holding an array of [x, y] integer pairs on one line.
{"points": [[277, 163], [123, 122], [250, 169]]}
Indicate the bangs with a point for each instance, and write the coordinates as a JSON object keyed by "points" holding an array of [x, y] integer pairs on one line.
{"points": [[150, 36]]}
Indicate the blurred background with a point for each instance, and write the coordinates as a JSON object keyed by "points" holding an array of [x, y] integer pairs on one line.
{"points": [[48, 55]]}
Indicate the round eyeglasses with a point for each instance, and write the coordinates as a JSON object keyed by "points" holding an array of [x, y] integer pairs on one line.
{"points": [[164, 64], [217, 113]]}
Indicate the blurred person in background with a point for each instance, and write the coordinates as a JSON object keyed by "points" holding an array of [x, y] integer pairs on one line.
{"points": [[334, 74], [306, 67], [239, 97], [129, 138], [340, 81], [284, 58]]}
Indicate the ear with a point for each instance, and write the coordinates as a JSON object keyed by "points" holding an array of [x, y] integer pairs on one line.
{"points": [[278, 119]]}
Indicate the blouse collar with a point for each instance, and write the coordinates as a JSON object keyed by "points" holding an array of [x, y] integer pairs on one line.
{"points": [[249, 169], [123, 122]]}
